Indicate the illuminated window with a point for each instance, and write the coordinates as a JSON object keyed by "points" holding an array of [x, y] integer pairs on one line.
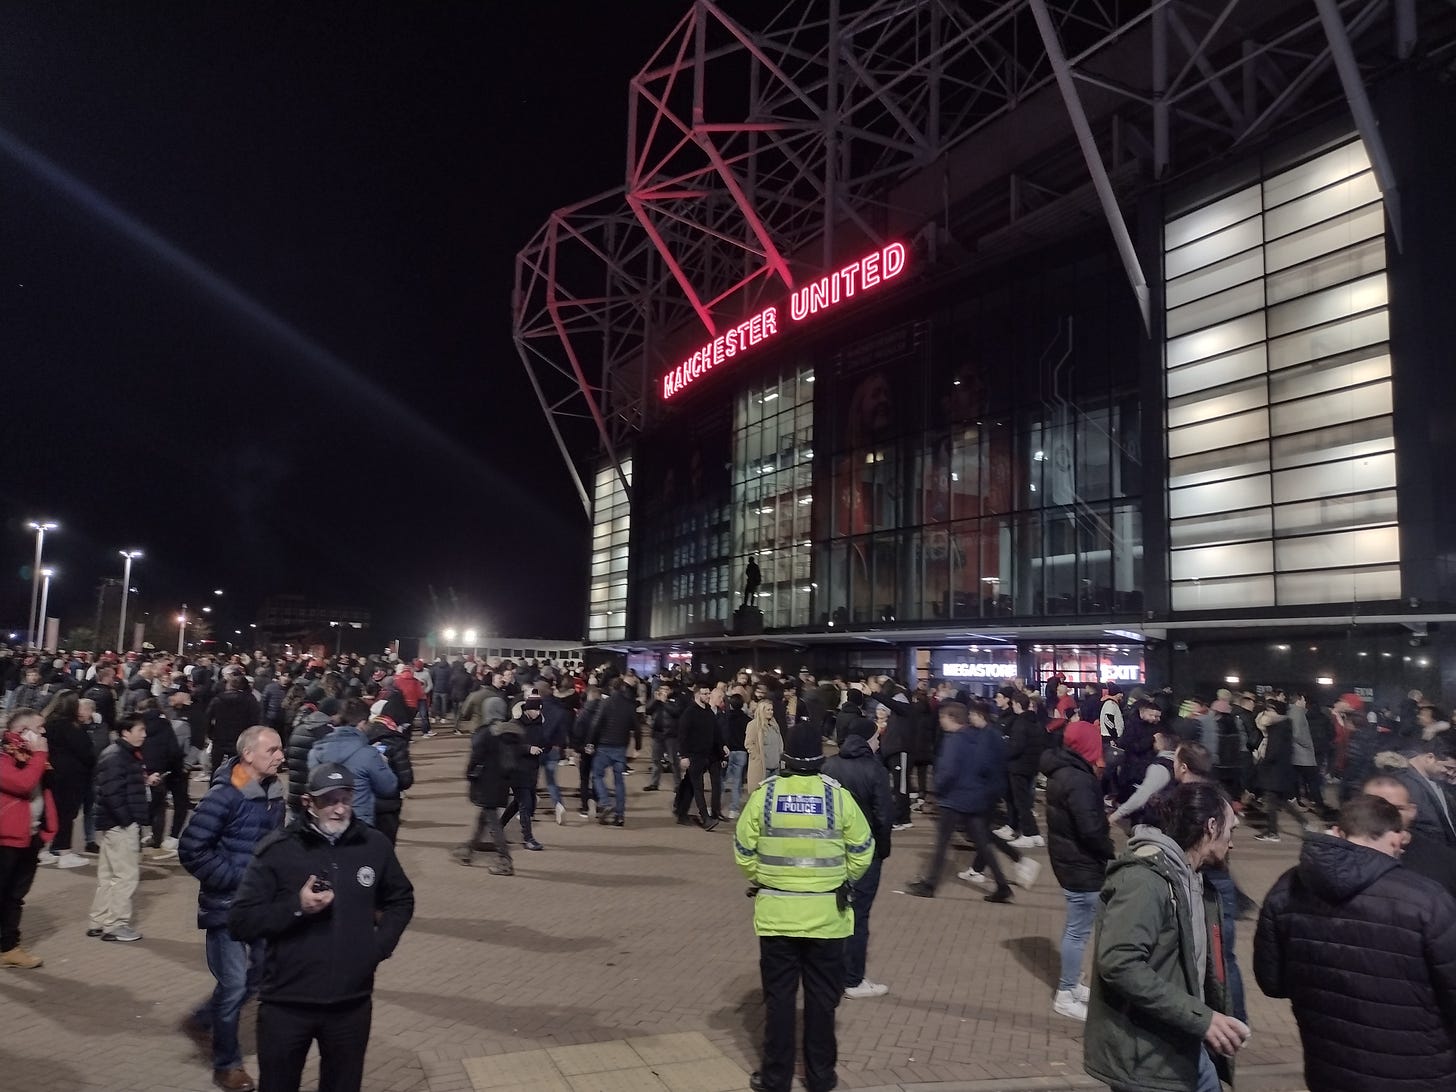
{"points": [[1281, 442], [611, 529]]}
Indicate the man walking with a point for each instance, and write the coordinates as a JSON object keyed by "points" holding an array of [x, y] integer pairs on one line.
{"points": [[243, 806], [122, 807], [801, 841], [701, 745], [1366, 952], [330, 898], [1156, 1008], [610, 732]]}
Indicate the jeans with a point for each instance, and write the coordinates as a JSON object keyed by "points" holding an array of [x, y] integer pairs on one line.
{"points": [[857, 945], [1081, 912], [523, 801], [238, 967], [737, 769], [553, 758], [664, 748], [691, 788], [899, 767], [487, 820], [978, 830], [1228, 904], [1274, 803], [88, 819], [614, 758]]}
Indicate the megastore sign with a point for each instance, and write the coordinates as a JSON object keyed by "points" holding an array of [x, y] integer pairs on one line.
{"points": [[980, 671], [830, 291]]}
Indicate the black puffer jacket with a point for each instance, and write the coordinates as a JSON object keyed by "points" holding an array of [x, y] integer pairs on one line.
{"points": [[1078, 838], [616, 721], [229, 715], [1366, 952], [860, 770], [1025, 739], [121, 788], [307, 730], [397, 754]]}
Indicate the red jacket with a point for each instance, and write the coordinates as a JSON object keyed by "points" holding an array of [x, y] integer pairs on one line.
{"points": [[16, 785], [409, 689]]}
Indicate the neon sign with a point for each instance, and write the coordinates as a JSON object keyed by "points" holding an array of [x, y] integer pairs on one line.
{"points": [[855, 279], [980, 671]]}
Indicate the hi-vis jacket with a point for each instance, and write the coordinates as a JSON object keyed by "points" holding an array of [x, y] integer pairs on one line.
{"points": [[799, 838]]}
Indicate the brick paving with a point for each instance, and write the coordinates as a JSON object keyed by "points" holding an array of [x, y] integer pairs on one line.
{"points": [[609, 937]]}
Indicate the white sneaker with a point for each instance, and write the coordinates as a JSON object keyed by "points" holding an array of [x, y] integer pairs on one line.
{"points": [[47, 857], [1027, 871], [732, 813], [970, 875], [1082, 992], [866, 988], [1029, 841], [1066, 1004], [902, 826], [72, 860], [169, 843], [560, 815], [1004, 833]]}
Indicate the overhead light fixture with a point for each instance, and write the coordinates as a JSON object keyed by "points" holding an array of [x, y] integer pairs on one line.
{"points": [[1325, 680], [1232, 680], [769, 397]]}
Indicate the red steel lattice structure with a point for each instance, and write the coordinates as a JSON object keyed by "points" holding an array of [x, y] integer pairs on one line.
{"points": [[758, 158]]}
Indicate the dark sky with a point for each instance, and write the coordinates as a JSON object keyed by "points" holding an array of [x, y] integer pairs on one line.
{"points": [[255, 267]]}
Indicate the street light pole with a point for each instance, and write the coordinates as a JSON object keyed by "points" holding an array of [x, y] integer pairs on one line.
{"points": [[125, 591], [40, 527], [45, 596], [181, 628]]}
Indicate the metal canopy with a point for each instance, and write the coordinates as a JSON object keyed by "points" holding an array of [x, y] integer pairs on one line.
{"points": [[758, 157]]}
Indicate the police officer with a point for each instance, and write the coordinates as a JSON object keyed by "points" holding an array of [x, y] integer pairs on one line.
{"points": [[800, 841]]}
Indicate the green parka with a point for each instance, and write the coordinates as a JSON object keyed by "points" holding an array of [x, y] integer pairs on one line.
{"points": [[1151, 1003]]}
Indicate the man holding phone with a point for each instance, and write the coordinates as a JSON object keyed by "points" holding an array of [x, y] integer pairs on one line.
{"points": [[327, 884]]}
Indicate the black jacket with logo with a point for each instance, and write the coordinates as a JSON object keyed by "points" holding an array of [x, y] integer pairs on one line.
{"points": [[329, 957]]}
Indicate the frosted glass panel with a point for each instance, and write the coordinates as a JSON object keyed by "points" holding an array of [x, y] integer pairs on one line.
{"points": [[1337, 337], [1351, 440], [1332, 479], [1368, 547], [1240, 591], [1214, 278], [1215, 248], [1329, 375], [1332, 201], [1342, 231], [1214, 561], [1241, 364], [1346, 405], [1227, 304], [1344, 265], [1250, 394], [1215, 466], [1335, 513], [1216, 340], [1349, 586], [1233, 527], [1210, 218], [1222, 433], [1202, 500], [1328, 305], [1278, 418], [1324, 170]]}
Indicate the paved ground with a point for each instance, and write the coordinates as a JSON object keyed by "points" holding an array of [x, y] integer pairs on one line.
{"points": [[616, 959]]}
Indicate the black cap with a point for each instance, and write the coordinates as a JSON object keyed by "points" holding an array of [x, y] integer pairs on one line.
{"points": [[330, 707], [327, 777]]}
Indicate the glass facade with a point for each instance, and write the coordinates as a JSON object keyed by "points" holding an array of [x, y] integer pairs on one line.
{"points": [[611, 534], [773, 493], [1281, 443]]}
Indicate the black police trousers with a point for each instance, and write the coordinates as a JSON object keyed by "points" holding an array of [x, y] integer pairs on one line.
{"points": [[784, 962]]}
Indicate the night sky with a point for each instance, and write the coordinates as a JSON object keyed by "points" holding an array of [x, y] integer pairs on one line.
{"points": [[255, 272]]}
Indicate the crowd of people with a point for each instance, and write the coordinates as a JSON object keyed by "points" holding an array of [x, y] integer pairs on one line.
{"points": [[303, 767]]}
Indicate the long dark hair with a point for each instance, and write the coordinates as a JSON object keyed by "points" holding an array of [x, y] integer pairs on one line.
{"points": [[62, 706], [1183, 813]]}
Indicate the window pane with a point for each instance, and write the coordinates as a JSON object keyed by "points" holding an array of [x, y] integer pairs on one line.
{"points": [[1232, 592], [1214, 561], [1332, 479], [1219, 370], [1367, 547], [1334, 513], [1212, 217], [1348, 586]]}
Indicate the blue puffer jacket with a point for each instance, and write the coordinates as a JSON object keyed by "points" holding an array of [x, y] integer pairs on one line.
{"points": [[217, 844], [350, 747], [970, 774]]}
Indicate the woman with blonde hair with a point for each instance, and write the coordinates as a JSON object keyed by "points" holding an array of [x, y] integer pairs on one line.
{"points": [[764, 742]]}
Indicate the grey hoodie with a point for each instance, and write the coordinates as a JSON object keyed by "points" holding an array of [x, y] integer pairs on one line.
{"points": [[1147, 840]]}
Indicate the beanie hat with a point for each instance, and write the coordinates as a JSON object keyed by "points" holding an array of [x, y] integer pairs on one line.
{"points": [[860, 726], [855, 698], [1082, 737]]}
